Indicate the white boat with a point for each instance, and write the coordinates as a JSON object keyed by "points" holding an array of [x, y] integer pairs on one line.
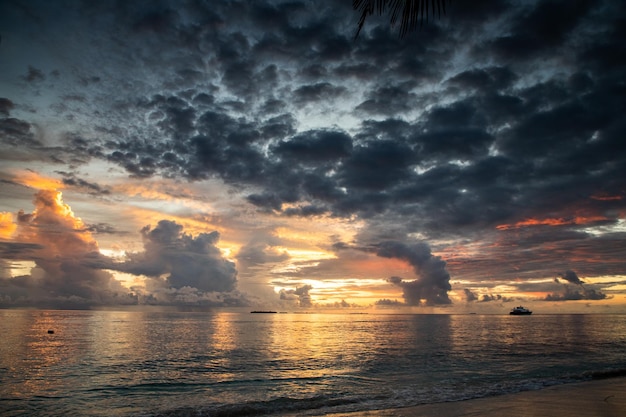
{"points": [[520, 311]]}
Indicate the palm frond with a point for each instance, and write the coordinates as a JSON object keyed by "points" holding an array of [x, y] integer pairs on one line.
{"points": [[410, 13]]}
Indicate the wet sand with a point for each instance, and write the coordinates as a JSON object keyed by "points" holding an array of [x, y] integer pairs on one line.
{"points": [[605, 398]]}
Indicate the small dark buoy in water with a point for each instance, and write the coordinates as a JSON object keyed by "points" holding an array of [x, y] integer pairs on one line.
{"points": [[50, 331]]}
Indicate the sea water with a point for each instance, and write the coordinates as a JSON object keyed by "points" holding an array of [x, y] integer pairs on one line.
{"points": [[106, 363]]}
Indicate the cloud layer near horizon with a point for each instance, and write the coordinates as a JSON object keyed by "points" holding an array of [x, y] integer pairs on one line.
{"points": [[71, 272], [62, 250]]}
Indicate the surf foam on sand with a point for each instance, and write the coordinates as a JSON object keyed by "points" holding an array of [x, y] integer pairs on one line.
{"points": [[606, 398]]}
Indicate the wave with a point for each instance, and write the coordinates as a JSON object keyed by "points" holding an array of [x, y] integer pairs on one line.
{"points": [[259, 408], [410, 396]]}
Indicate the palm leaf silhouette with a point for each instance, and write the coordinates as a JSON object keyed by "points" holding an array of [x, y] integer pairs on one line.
{"points": [[410, 13]]}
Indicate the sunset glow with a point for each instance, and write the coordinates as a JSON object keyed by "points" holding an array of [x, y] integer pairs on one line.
{"points": [[220, 159]]}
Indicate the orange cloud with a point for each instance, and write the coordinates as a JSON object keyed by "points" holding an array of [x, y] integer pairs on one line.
{"points": [[53, 224], [154, 190], [64, 254], [35, 180], [7, 225], [552, 222], [607, 197]]}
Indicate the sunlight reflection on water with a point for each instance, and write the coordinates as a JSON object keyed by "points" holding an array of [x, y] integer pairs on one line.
{"points": [[119, 363]]}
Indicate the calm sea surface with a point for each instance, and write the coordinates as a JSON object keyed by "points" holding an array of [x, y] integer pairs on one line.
{"points": [[103, 363]]}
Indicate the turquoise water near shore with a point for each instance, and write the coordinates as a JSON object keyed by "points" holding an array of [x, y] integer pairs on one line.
{"points": [[107, 363]]}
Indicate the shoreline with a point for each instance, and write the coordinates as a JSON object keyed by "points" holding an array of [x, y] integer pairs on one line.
{"points": [[599, 397]]}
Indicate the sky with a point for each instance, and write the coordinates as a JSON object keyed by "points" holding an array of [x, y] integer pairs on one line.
{"points": [[259, 155]]}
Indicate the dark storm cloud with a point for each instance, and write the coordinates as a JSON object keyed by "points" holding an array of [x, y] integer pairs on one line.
{"points": [[537, 30], [314, 72], [483, 79], [454, 132], [433, 281], [236, 164], [561, 133], [302, 171], [273, 106], [5, 106], [405, 59], [186, 260], [317, 92], [26, 141], [460, 113], [389, 100], [315, 147], [277, 127], [606, 53], [16, 132], [72, 180], [378, 165], [570, 276], [463, 128], [178, 118], [361, 70], [266, 201]]}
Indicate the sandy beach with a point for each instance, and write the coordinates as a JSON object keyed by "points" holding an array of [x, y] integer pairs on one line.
{"points": [[606, 398]]}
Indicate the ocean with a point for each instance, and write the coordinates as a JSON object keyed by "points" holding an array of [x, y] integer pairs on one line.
{"points": [[110, 363]]}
